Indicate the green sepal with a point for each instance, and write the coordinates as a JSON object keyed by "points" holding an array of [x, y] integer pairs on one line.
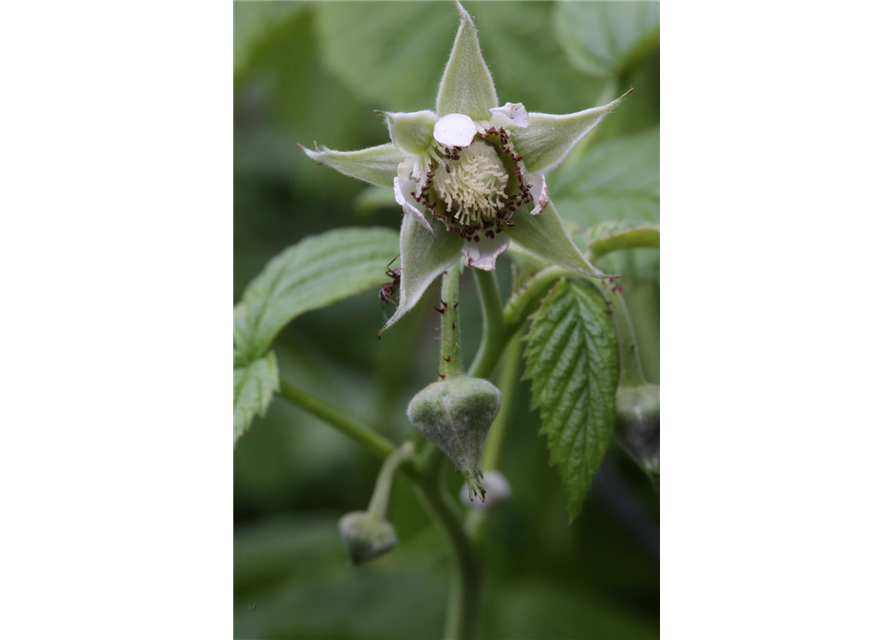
{"points": [[375, 165], [544, 235], [413, 132]]}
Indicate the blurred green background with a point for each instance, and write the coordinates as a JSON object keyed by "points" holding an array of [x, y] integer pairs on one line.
{"points": [[314, 72]]}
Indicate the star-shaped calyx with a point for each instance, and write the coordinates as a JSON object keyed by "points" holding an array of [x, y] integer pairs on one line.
{"points": [[470, 177]]}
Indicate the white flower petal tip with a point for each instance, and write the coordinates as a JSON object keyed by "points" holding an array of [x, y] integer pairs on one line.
{"points": [[455, 130], [498, 491], [512, 113], [482, 255], [540, 194], [399, 186]]}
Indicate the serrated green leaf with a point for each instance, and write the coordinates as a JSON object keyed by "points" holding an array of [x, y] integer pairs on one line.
{"points": [[573, 364], [314, 273], [618, 179], [607, 38], [253, 388]]}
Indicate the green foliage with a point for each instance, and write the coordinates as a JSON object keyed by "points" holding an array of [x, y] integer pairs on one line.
{"points": [[253, 388], [252, 21], [314, 273], [392, 54], [616, 180], [573, 365], [607, 38]]}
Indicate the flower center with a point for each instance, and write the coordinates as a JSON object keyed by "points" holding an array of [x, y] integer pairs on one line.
{"points": [[474, 188]]}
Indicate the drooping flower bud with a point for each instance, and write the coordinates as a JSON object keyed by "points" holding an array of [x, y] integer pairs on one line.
{"points": [[366, 537], [498, 491], [366, 534], [638, 425], [455, 415]]}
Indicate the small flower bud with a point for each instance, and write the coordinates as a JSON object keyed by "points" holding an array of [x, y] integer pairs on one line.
{"points": [[498, 491], [366, 537], [638, 425], [455, 415]]}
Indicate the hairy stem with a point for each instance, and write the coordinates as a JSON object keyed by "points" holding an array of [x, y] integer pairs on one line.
{"points": [[450, 350], [466, 575], [630, 366], [508, 380], [377, 444], [378, 505], [494, 324], [744, 237]]}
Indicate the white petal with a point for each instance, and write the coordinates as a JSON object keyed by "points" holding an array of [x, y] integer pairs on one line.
{"points": [[455, 130], [512, 113], [540, 193], [403, 186], [482, 255]]}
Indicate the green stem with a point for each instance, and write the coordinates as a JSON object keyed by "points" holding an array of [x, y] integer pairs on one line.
{"points": [[780, 237], [494, 324], [378, 505], [519, 306], [508, 382], [378, 445], [508, 379], [746, 237], [630, 366], [450, 350], [466, 574]]}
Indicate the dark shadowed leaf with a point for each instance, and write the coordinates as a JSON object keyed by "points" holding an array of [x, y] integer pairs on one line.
{"points": [[314, 273]]}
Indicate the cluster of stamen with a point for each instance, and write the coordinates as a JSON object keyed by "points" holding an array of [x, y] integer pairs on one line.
{"points": [[475, 184]]}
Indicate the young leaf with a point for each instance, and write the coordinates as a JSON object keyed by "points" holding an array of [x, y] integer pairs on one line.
{"points": [[314, 273], [253, 388], [607, 38], [573, 364]]}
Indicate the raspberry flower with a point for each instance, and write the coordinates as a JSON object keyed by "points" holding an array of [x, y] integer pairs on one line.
{"points": [[470, 177]]}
